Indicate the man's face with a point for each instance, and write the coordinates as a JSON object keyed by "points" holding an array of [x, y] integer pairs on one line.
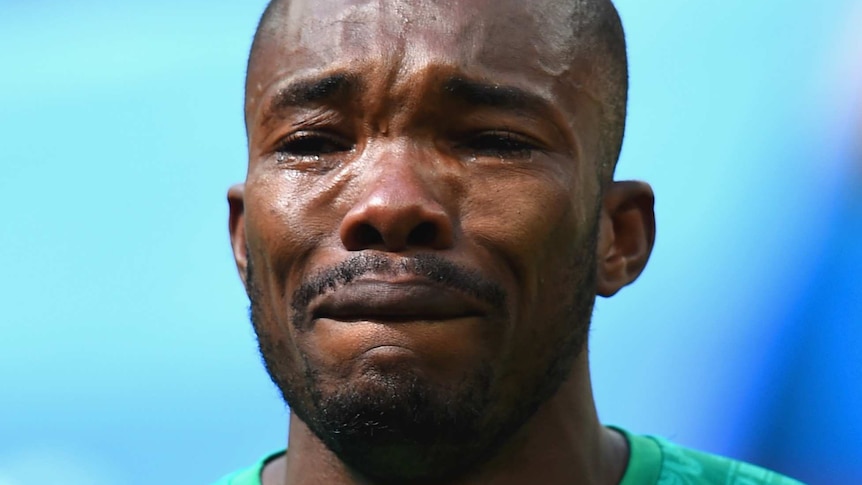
{"points": [[420, 219]]}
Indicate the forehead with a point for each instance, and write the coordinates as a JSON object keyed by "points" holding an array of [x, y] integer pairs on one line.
{"points": [[506, 41]]}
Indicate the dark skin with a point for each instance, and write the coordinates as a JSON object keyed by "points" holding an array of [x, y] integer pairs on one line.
{"points": [[382, 131]]}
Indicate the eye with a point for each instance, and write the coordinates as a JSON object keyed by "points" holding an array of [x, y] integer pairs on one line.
{"points": [[305, 144], [500, 144], [312, 151]]}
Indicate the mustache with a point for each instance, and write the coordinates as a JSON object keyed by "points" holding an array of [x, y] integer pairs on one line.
{"points": [[431, 267]]}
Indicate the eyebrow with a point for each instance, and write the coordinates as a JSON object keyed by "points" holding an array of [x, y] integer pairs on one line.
{"points": [[482, 94], [310, 91], [322, 89]]}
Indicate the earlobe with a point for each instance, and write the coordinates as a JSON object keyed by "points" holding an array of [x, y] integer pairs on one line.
{"points": [[236, 226], [626, 235]]}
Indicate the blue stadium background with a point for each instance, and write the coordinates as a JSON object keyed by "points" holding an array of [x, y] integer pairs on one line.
{"points": [[125, 352]]}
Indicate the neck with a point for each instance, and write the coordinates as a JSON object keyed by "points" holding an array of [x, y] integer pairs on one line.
{"points": [[562, 443]]}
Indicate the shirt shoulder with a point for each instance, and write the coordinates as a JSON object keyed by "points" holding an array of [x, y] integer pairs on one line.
{"points": [[250, 475], [657, 461], [683, 465]]}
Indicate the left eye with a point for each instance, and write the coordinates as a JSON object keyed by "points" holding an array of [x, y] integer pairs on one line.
{"points": [[502, 144]]}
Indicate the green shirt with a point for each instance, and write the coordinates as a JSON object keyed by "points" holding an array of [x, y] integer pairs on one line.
{"points": [[653, 461]]}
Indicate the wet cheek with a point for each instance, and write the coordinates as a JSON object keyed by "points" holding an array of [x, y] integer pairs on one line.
{"points": [[287, 220], [281, 235]]}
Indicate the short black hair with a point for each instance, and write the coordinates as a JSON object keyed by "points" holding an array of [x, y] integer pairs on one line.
{"points": [[597, 25], [600, 28]]}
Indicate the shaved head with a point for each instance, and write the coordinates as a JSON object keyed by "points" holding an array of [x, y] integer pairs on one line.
{"points": [[598, 35]]}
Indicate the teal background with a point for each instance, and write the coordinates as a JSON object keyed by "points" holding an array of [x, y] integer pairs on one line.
{"points": [[126, 356]]}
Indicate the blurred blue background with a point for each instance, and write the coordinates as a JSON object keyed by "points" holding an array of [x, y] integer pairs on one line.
{"points": [[126, 356]]}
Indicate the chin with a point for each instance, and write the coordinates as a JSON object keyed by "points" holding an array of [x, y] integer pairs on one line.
{"points": [[396, 424]]}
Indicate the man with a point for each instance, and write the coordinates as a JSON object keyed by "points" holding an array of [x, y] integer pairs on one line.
{"points": [[428, 214]]}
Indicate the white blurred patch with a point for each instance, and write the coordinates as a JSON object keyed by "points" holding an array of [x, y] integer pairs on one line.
{"points": [[841, 79], [48, 465]]}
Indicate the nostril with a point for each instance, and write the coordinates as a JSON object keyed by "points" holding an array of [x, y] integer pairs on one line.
{"points": [[366, 235], [396, 225], [423, 234]]}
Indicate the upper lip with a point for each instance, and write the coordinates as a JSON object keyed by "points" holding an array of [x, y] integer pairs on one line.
{"points": [[388, 300]]}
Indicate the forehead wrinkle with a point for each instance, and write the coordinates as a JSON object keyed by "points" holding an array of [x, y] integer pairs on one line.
{"points": [[353, 29], [475, 31], [367, 37], [478, 40]]}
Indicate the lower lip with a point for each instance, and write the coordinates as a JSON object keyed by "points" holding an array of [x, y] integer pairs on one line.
{"points": [[439, 348], [391, 325], [394, 320], [371, 335], [388, 352], [389, 358]]}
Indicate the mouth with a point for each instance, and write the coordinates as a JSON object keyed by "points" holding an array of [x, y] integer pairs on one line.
{"points": [[395, 301]]}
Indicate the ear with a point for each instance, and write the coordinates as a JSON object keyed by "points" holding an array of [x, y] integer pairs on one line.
{"points": [[236, 225], [626, 235]]}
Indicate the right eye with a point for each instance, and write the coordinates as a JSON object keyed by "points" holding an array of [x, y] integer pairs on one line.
{"points": [[311, 144]]}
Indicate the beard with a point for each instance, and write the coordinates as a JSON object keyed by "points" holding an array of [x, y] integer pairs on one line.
{"points": [[398, 425]]}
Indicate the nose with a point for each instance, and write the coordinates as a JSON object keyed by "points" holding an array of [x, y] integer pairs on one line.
{"points": [[397, 212]]}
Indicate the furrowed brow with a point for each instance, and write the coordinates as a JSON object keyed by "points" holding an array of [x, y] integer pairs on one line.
{"points": [[482, 94]]}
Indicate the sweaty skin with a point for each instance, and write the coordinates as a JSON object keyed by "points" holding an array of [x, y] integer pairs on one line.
{"points": [[387, 136]]}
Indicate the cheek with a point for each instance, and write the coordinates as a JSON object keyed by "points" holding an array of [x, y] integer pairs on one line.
{"points": [[276, 342], [539, 227], [528, 220], [281, 233], [288, 217]]}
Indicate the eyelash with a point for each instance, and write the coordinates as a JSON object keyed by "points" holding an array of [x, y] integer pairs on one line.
{"points": [[313, 150], [499, 144], [306, 144]]}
